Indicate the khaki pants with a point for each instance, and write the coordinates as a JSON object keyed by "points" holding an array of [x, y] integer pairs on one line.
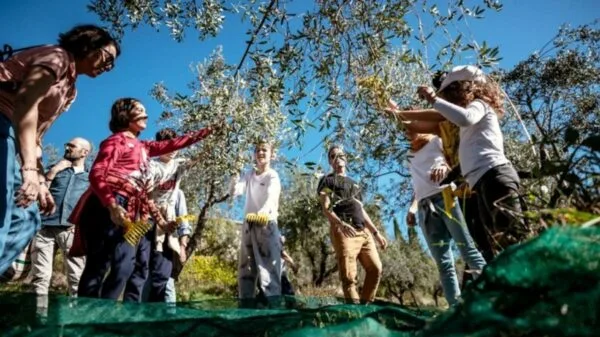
{"points": [[42, 256], [348, 250]]}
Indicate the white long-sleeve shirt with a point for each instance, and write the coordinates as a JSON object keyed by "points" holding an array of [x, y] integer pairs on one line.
{"points": [[262, 192], [481, 143]]}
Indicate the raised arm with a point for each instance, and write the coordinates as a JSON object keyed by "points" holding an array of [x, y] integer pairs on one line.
{"points": [[158, 148], [237, 185], [458, 115], [423, 127], [454, 113]]}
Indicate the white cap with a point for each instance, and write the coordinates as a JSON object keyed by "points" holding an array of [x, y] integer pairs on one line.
{"points": [[463, 73]]}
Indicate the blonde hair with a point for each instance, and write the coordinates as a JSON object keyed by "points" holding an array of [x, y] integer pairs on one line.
{"points": [[420, 140], [462, 93], [271, 144]]}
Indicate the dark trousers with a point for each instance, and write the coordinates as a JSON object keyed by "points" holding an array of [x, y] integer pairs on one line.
{"points": [[106, 249], [499, 206], [286, 285], [135, 285], [470, 208], [153, 264]]}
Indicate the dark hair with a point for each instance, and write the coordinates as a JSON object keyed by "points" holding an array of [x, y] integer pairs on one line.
{"points": [[166, 133], [84, 39], [438, 78], [119, 113], [334, 147]]}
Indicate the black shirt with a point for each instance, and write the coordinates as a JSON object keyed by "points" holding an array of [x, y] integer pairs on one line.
{"points": [[345, 197]]}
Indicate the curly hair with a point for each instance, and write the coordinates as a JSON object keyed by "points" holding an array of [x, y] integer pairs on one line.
{"points": [[120, 113], [462, 93], [84, 39], [166, 133]]}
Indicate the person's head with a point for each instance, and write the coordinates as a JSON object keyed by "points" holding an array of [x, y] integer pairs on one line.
{"points": [[410, 134], [337, 158], [438, 78], [464, 84], [166, 134], [264, 152], [93, 48], [76, 149], [128, 114], [418, 140]]}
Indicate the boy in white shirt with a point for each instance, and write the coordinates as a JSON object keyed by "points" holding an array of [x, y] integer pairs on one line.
{"points": [[158, 248], [260, 251]]}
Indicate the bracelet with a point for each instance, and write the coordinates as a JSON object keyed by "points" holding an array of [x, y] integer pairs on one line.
{"points": [[29, 168]]}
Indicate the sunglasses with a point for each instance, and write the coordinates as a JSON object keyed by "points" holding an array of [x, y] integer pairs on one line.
{"points": [[108, 60], [70, 145], [337, 155]]}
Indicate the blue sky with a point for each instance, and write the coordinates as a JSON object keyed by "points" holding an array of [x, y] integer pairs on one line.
{"points": [[149, 57]]}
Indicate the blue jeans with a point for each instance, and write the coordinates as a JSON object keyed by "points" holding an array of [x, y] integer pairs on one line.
{"points": [[438, 229], [19, 224], [170, 292]]}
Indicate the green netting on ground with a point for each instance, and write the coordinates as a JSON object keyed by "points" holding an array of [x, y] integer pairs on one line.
{"points": [[549, 286]]}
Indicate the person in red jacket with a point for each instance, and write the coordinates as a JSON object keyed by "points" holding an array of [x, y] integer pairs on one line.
{"points": [[118, 192]]}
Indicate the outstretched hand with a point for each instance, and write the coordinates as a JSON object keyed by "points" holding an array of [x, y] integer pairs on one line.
{"points": [[427, 93], [381, 240]]}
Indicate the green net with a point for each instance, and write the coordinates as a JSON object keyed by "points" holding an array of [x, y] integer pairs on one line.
{"points": [[549, 286]]}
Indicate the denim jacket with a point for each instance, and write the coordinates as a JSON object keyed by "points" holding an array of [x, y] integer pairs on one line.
{"points": [[66, 188]]}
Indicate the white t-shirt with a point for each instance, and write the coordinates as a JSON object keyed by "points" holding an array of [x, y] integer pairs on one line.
{"points": [[420, 165], [262, 192], [481, 143]]}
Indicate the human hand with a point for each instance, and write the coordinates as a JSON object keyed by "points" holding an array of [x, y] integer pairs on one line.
{"points": [[29, 190], [411, 219], [391, 107], [118, 215], [426, 93], [439, 173], [61, 165], [381, 240], [168, 226], [182, 253], [47, 205]]}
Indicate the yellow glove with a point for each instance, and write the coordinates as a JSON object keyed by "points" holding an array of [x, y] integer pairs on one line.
{"points": [[259, 219]]}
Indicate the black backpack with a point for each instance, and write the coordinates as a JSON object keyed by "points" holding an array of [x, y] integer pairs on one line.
{"points": [[8, 51]]}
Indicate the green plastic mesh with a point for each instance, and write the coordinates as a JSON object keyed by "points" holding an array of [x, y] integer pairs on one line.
{"points": [[549, 286]]}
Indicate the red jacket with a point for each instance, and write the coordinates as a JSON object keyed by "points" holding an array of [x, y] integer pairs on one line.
{"points": [[120, 165]]}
